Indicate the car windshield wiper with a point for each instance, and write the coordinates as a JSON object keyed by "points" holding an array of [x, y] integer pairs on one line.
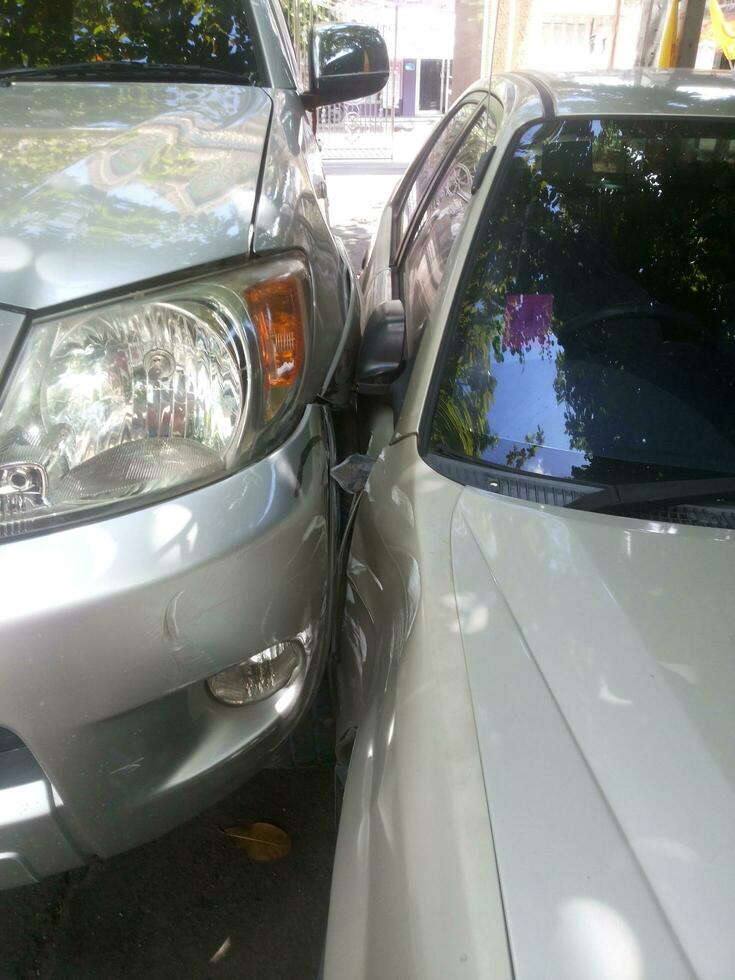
{"points": [[106, 69], [617, 497]]}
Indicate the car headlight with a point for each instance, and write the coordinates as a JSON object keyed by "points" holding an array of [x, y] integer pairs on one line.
{"points": [[117, 404]]}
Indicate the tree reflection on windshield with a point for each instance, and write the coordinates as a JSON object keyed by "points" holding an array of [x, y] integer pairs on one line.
{"points": [[206, 33], [597, 335]]}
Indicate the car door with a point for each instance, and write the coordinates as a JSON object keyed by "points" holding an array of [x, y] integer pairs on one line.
{"points": [[426, 213]]}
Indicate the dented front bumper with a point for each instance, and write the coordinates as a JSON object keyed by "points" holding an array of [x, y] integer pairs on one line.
{"points": [[108, 632]]}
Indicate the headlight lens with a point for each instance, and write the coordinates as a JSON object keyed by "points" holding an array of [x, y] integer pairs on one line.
{"points": [[164, 371], [143, 396]]}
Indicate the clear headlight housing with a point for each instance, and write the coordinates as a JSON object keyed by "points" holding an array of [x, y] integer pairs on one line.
{"points": [[118, 404]]}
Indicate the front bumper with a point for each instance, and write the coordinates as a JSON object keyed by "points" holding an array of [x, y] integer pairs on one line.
{"points": [[107, 632]]}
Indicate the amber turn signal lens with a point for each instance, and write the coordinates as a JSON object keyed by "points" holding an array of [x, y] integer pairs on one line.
{"points": [[279, 312]]}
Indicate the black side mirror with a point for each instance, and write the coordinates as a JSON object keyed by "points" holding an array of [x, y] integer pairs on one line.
{"points": [[347, 61], [382, 353]]}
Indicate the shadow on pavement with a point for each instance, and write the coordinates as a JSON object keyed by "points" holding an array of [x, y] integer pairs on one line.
{"points": [[189, 905]]}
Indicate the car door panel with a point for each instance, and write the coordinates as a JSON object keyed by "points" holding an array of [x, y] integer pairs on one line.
{"points": [[414, 820]]}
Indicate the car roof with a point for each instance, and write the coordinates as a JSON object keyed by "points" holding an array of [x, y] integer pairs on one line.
{"points": [[639, 92]]}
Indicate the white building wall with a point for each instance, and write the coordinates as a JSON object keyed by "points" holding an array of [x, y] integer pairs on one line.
{"points": [[411, 28], [578, 34]]}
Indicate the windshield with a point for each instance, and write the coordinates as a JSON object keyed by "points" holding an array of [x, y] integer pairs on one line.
{"points": [[213, 34], [596, 337]]}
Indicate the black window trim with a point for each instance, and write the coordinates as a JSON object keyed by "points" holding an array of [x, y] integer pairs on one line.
{"points": [[441, 171], [261, 61], [421, 210], [398, 243], [397, 266]]}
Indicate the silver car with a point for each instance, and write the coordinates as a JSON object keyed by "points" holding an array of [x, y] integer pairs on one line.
{"points": [[537, 666], [177, 330]]}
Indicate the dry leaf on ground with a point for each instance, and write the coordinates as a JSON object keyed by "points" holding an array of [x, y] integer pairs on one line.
{"points": [[261, 841]]}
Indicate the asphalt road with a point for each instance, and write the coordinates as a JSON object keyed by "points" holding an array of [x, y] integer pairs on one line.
{"points": [[189, 906]]}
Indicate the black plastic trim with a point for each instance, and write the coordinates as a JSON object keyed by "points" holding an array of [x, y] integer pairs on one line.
{"points": [[402, 247], [476, 97], [481, 170], [12, 309], [259, 182], [551, 492], [507, 482]]}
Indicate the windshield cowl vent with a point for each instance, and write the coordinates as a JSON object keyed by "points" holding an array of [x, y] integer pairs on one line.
{"points": [[535, 489], [540, 490]]}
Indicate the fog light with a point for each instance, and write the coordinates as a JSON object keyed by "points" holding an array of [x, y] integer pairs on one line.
{"points": [[258, 677]]}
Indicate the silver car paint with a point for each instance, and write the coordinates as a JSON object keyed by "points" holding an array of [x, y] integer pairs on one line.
{"points": [[108, 630], [107, 185], [615, 636], [482, 697], [641, 91], [616, 856], [415, 893]]}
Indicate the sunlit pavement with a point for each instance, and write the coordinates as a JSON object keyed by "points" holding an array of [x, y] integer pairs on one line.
{"points": [[189, 905], [359, 189]]}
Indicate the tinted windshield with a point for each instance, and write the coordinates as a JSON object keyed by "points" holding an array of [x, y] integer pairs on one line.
{"points": [[202, 33], [596, 338]]}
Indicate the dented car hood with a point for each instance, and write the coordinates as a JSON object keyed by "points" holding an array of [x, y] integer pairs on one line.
{"points": [[107, 184]]}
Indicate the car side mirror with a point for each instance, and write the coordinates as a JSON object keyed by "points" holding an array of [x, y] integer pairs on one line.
{"points": [[382, 354], [347, 61]]}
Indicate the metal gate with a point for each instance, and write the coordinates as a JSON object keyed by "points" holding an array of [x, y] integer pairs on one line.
{"points": [[356, 130], [350, 130]]}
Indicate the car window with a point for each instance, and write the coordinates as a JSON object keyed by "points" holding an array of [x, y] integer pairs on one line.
{"points": [[203, 33], [423, 266], [433, 160], [596, 338]]}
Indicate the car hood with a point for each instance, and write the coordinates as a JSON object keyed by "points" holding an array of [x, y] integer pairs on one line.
{"points": [[601, 659], [102, 185]]}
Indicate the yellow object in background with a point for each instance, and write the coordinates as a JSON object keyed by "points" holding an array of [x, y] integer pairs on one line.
{"points": [[667, 54], [724, 34]]}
